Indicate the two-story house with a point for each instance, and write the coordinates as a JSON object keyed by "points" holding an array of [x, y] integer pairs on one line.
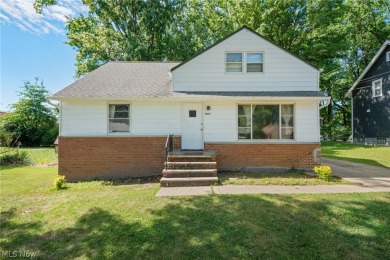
{"points": [[245, 100], [370, 96]]}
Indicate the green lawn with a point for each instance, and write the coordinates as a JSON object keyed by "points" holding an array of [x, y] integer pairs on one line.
{"points": [[93, 221], [39, 155], [371, 155], [295, 178]]}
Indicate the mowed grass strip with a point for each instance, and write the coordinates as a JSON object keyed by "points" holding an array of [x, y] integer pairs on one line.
{"points": [[38, 155], [92, 221], [284, 179], [370, 155]]}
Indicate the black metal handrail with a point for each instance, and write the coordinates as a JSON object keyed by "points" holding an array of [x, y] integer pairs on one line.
{"points": [[168, 148]]}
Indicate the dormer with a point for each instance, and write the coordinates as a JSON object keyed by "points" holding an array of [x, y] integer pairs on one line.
{"points": [[245, 61]]}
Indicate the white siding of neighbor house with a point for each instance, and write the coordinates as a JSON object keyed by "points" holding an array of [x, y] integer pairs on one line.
{"points": [[83, 118], [282, 71], [154, 118]]}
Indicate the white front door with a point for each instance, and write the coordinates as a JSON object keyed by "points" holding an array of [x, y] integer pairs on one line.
{"points": [[191, 126]]}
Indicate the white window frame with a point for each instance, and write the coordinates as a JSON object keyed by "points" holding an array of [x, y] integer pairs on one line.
{"points": [[246, 62], [108, 119], [280, 122], [388, 56], [242, 62], [380, 87]]}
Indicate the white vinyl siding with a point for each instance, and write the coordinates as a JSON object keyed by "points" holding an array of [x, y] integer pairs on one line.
{"points": [[155, 118], [282, 71], [83, 118], [160, 118], [307, 122], [219, 123]]}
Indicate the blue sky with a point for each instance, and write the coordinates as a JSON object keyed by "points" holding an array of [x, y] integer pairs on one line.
{"points": [[33, 45]]}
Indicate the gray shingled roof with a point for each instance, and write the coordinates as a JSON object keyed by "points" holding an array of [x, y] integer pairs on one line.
{"points": [[123, 79], [148, 79]]}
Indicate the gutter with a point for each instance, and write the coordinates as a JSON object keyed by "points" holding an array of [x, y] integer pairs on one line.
{"points": [[327, 102], [48, 100]]}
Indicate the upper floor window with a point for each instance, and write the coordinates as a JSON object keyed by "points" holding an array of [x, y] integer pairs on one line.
{"points": [[377, 88], [388, 56], [119, 118], [254, 62], [234, 62], [244, 62]]}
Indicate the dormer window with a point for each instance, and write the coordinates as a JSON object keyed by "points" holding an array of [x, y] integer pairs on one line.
{"points": [[377, 88], [254, 62], [249, 62], [234, 62], [388, 56]]}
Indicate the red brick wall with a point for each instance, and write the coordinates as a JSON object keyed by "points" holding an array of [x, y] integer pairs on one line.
{"points": [[242, 155], [85, 158]]}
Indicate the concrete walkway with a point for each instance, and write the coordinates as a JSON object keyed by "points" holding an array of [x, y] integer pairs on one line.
{"points": [[365, 179]]}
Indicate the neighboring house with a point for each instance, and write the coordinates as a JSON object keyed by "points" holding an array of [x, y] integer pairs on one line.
{"points": [[2, 113], [370, 96], [251, 102]]}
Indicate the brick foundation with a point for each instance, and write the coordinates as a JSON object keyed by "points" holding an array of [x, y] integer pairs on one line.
{"points": [[86, 158], [240, 156]]}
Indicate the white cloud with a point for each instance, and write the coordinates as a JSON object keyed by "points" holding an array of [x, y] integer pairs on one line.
{"points": [[52, 20]]}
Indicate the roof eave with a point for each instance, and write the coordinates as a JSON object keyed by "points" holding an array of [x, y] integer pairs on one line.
{"points": [[372, 62], [190, 97]]}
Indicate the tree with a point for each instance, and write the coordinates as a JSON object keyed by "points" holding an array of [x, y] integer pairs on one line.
{"points": [[30, 119], [337, 36]]}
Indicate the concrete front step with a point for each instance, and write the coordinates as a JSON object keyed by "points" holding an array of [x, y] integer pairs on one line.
{"points": [[188, 181], [191, 165], [173, 173], [190, 159]]}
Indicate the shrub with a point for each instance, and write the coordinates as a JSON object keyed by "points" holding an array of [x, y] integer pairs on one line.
{"points": [[60, 182], [12, 158], [323, 172]]}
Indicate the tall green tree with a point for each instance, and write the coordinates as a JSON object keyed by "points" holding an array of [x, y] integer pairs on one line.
{"points": [[338, 36], [31, 121]]}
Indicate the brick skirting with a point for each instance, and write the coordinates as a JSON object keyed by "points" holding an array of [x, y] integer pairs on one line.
{"points": [[241, 156], [86, 158]]}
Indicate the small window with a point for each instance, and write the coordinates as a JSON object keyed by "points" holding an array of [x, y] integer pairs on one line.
{"points": [[192, 113], [254, 62], [377, 88], [388, 56], [119, 118], [234, 62]]}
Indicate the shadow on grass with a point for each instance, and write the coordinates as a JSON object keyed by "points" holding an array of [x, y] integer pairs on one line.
{"points": [[345, 146], [217, 227]]}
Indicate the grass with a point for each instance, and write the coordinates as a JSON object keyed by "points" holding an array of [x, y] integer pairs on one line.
{"points": [[370, 155], [93, 221], [295, 178], [39, 155]]}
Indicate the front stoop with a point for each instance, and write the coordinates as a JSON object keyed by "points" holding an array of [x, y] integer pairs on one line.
{"points": [[190, 168]]}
